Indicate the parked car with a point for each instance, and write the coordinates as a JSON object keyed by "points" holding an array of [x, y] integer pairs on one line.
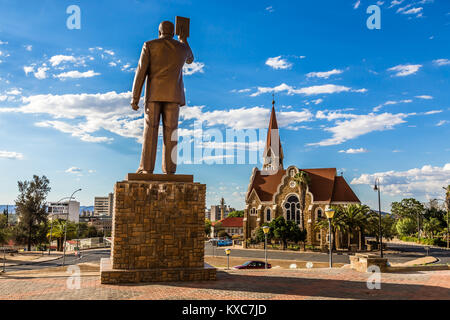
{"points": [[223, 243], [253, 265]]}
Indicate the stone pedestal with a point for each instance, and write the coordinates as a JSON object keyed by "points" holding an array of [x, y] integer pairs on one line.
{"points": [[361, 262], [158, 231]]}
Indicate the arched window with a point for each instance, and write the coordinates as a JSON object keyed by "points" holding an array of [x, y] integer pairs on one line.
{"points": [[268, 214], [319, 214], [292, 207], [253, 211]]}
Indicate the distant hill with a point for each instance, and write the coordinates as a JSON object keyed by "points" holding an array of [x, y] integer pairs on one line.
{"points": [[87, 208], [12, 208]]}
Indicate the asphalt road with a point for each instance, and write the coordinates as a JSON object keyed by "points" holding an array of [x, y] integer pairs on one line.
{"points": [[404, 253], [87, 256]]}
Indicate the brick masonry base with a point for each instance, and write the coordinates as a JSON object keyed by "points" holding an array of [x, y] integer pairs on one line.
{"points": [[116, 276], [157, 232]]}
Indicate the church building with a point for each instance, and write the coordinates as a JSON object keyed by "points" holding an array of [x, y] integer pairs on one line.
{"points": [[273, 192]]}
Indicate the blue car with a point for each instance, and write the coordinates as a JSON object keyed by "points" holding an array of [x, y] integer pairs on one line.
{"points": [[223, 243]]}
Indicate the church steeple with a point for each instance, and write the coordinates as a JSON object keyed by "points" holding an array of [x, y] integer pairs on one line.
{"points": [[273, 152]]}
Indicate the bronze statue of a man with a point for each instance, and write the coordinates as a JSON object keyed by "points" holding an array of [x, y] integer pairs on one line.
{"points": [[161, 64]]}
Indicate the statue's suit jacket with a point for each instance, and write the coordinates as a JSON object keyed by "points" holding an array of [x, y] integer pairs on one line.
{"points": [[161, 64]]}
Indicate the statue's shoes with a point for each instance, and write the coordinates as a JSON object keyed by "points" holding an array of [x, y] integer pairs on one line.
{"points": [[140, 171]]}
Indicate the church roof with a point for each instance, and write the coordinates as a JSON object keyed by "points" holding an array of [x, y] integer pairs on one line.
{"points": [[325, 185], [231, 222], [342, 191], [273, 125]]}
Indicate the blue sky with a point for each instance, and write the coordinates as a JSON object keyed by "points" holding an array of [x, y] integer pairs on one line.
{"points": [[368, 102]]}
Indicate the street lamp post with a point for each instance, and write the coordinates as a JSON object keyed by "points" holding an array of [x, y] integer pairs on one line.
{"points": [[266, 232], [380, 231], [65, 226], [330, 214], [228, 251]]}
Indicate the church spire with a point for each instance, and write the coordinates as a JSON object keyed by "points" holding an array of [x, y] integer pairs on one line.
{"points": [[273, 152]]}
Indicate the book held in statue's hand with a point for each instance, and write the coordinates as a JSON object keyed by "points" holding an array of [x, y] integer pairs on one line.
{"points": [[182, 26]]}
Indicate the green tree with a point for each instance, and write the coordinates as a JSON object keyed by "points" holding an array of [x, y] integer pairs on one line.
{"points": [[432, 227], [337, 223], [32, 211], [5, 230], [92, 232], [303, 180], [406, 226], [218, 227], [355, 217], [223, 234], [57, 232], [285, 231], [447, 197], [208, 227], [387, 226], [260, 237], [407, 208], [236, 214]]}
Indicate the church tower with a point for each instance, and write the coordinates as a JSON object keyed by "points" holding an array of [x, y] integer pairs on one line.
{"points": [[273, 152]]}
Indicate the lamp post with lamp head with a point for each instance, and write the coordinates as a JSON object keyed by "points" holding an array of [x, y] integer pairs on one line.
{"points": [[330, 214], [227, 252], [376, 187], [65, 226], [266, 230]]}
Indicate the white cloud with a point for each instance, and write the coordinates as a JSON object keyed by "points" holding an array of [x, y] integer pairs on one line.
{"points": [[354, 151], [359, 125], [413, 11], [425, 97], [387, 103], [194, 67], [270, 9], [317, 101], [244, 118], [3, 42], [14, 92], [41, 73], [278, 63], [442, 122], [73, 170], [10, 155], [29, 47], [395, 3], [419, 182], [405, 69], [324, 75], [58, 59], [432, 112], [76, 74], [356, 4], [313, 90], [28, 69], [442, 62], [82, 115], [110, 52]]}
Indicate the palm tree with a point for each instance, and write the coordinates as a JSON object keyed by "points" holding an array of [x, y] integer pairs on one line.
{"points": [[447, 196], [337, 223], [303, 180], [355, 217], [57, 232]]}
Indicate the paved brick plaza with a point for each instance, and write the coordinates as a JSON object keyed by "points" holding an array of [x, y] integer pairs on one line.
{"points": [[262, 285]]}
